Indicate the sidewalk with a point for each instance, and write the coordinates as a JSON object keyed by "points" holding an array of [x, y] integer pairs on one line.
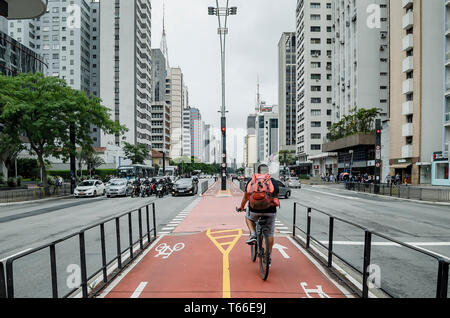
{"points": [[206, 257]]}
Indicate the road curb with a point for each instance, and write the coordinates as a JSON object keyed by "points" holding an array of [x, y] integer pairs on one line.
{"points": [[34, 201]]}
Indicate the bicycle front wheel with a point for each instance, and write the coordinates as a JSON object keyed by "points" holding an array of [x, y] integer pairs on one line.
{"points": [[264, 256], [253, 252]]}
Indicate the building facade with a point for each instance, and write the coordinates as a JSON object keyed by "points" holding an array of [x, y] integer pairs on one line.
{"points": [[160, 107], [125, 68], [187, 137], [286, 91], [174, 96], [440, 168], [267, 134], [417, 77], [314, 78], [196, 129]]}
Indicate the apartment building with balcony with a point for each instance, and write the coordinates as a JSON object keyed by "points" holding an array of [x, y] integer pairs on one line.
{"points": [[416, 79], [125, 68], [314, 113]]}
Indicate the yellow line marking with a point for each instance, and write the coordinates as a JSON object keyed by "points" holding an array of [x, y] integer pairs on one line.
{"points": [[226, 286], [225, 236], [226, 231]]}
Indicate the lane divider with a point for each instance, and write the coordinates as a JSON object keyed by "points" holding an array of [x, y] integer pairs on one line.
{"points": [[225, 248]]}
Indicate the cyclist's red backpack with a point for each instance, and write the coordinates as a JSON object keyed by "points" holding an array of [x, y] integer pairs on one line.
{"points": [[261, 192]]}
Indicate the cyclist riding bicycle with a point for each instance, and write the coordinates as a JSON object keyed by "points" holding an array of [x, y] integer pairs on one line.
{"points": [[262, 194]]}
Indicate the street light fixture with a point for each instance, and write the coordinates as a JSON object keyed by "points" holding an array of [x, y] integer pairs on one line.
{"points": [[222, 14]]}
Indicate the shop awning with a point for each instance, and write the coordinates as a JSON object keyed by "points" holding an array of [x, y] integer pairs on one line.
{"points": [[423, 164], [401, 166]]}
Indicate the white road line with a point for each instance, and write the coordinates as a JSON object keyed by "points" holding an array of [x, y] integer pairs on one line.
{"points": [[334, 195], [139, 290], [163, 233], [389, 243], [347, 293], [168, 228], [1, 260], [282, 228], [118, 279], [286, 232]]}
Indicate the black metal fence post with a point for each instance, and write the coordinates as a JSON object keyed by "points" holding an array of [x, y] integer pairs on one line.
{"points": [[53, 271], [330, 242], [9, 278], [83, 266], [295, 219], [2, 282], [141, 245], [119, 251], [367, 249], [154, 220], [130, 235], [442, 281], [103, 244], [148, 224], [308, 228]]}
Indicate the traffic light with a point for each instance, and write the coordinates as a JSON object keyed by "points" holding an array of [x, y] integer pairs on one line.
{"points": [[211, 11], [224, 130], [233, 10]]}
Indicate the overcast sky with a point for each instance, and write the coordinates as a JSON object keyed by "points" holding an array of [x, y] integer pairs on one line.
{"points": [[252, 49]]}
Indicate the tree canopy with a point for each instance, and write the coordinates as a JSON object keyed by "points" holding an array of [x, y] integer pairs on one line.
{"points": [[44, 109], [136, 153], [359, 121]]}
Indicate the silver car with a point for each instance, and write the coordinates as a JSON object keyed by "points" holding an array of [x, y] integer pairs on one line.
{"points": [[118, 187], [293, 183]]}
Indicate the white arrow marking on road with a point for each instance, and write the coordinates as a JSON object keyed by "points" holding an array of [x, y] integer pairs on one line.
{"points": [[281, 249]]}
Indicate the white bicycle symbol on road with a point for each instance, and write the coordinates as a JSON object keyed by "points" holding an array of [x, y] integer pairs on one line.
{"points": [[165, 250]]}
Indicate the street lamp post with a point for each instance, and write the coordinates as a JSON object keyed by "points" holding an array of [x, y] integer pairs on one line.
{"points": [[222, 14]]}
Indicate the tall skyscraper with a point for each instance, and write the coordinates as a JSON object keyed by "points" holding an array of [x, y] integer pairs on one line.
{"points": [[125, 67], [314, 72], [175, 98], [196, 133], [250, 143], [187, 135], [417, 76], [160, 107], [287, 91]]}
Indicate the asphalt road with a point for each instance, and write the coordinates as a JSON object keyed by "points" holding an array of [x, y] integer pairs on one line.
{"points": [[27, 226], [403, 272]]}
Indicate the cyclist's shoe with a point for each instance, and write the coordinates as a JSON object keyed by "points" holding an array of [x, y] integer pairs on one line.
{"points": [[251, 240]]}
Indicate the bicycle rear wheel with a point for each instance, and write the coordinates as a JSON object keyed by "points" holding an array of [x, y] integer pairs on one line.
{"points": [[264, 256]]}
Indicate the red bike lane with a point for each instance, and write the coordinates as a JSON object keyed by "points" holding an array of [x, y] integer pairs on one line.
{"points": [[206, 257]]}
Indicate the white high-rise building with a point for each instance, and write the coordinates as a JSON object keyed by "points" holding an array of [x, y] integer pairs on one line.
{"points": [[125, 67], [360, 56], [314, 72], [175, 99], [187, 136]]}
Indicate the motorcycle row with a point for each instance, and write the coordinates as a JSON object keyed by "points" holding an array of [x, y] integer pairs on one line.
{"points": [[148, 188]]}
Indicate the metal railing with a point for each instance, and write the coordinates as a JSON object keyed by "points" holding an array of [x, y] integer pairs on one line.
{"points": [[10, 196], [8, 291], [402, 191], [204, 187], [443, 263]]}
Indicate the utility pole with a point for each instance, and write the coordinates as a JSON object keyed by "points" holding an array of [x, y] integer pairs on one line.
{"points": [[222, 14]]}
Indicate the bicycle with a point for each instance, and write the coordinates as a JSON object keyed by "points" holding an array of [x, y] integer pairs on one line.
{"points": [[260, 249]]}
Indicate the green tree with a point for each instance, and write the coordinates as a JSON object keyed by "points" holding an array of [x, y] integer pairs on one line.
{"points": [[93, 162], [136, 153], [290, 157], [45, 109]]}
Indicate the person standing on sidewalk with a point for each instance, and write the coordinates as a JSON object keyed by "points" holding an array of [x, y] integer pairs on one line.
{"points": [[266, 207]]}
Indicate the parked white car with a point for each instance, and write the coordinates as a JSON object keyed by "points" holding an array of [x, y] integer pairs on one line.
{"points": [[90, 188]]}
